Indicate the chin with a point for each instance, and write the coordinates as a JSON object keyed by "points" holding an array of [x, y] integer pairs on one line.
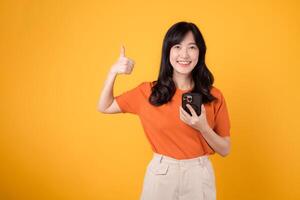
{"points": [[184, 70], [180, 71]]}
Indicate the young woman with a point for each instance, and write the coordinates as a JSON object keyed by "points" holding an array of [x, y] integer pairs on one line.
{"points": [[181, 143]]}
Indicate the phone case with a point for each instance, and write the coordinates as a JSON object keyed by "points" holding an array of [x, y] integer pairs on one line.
{"points": [[194, 99]]}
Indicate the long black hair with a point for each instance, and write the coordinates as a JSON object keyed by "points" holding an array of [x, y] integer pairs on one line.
{"points": [[163, 89]]}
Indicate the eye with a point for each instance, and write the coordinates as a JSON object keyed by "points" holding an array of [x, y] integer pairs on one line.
{"points": [[176, 46], [193, 47]]}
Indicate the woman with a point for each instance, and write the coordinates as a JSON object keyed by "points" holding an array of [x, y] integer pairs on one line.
{"points": [[181, 143]]}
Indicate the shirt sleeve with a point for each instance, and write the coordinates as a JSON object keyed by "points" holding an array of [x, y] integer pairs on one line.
{"points": [[222, 120], [130, 101]]}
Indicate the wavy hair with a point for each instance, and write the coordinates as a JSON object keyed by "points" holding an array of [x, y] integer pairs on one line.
{"points": [[163, 89]]}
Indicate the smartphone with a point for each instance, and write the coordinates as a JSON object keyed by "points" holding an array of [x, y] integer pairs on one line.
{"points": [[194, 99]]}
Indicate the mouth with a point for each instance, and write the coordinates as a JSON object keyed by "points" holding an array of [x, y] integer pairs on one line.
{"points": [[184, 63]]}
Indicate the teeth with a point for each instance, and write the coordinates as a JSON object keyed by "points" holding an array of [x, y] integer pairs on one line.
{"points": [[184, 62]]}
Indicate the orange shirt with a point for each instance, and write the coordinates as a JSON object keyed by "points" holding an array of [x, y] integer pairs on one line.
{"points": [[164, 129]]}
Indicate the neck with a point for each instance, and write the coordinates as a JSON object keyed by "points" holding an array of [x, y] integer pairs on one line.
{"points": [[183, 81]]}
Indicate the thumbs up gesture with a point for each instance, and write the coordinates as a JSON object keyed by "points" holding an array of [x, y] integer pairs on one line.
{"points": [[123, 65]]}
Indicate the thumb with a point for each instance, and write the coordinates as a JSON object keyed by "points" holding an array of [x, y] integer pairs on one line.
{"points": [[122, 52]]}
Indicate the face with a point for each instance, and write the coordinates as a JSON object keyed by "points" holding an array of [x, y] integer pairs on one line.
{"points": [[184, 56]]}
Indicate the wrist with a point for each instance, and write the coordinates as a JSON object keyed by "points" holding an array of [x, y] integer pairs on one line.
{"points": [[112, 73], [205, 130]]}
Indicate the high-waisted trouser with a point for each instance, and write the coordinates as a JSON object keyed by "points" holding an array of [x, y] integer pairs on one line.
{"points": [[167, 178]]}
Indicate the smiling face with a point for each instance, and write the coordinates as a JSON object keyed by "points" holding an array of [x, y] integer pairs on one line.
{"points": [[184, 56]]}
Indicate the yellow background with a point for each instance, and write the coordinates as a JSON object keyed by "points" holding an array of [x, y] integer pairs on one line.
{"points": [[55, 56]]}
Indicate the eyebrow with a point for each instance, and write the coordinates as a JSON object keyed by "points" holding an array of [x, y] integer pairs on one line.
{"points": [[191, 43]]}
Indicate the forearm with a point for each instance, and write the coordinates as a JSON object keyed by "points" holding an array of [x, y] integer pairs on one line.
{"points": [[107, 96], [219, 144]]}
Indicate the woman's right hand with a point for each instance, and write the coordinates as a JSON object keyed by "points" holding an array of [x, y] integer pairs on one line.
{"points": [[123, 65]]}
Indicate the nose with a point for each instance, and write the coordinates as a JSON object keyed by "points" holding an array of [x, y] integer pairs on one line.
{"points": [[184, 53]]}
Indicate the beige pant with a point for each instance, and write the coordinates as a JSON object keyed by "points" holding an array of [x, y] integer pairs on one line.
{"points": [[167, 178]]}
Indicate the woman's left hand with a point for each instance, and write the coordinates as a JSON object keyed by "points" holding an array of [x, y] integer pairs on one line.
{"points": [[195, 121]]}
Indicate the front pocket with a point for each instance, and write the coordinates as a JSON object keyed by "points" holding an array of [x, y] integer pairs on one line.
{"points": [[209, 179], [159, 168], [211, 170]]}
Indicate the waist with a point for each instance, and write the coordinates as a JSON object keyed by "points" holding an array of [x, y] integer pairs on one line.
{"points": [[169, 160]]}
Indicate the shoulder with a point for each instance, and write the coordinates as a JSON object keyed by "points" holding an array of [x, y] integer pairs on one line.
{"points": [[145, 87], [147, 84], [216, 92]]}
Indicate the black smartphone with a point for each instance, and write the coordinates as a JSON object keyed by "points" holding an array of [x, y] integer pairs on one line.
{"points": [[194, 99]]}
